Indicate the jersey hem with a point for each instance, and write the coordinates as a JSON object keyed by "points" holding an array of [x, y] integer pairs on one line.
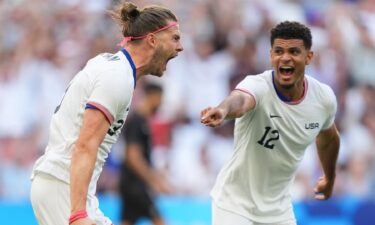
{"points": [[257, 219]]}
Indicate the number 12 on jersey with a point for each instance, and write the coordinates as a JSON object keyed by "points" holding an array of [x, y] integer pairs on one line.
{"points": [[268, 137]]}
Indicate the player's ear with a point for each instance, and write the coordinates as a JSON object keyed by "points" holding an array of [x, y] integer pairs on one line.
{"points": [[271, 54], [151, 39], [309, 57]]}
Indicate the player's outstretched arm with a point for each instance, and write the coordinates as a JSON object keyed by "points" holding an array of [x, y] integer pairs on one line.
{"points": [[233, 106], [92, 133], [328, 144]]}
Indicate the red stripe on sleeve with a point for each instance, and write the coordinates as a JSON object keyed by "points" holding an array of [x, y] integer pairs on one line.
{"points": [[247, 92], [104, 110]]}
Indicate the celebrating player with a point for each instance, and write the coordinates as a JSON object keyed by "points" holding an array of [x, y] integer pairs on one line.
{"points": [[90, 117], [278, 114]]}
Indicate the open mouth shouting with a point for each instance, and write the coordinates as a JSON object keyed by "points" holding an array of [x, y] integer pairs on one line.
{"points": [[286, 71], [165, 67]]}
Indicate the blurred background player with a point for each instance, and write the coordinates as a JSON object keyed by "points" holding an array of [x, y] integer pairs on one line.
{"points": [[89, 119], [279, 113], [139, 181]]}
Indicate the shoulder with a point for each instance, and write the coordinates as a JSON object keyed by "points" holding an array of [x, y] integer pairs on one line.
{"points": [[264, 77], [322, 92], [111, 68], [319, 88], [107, 61], [260, 79], [110, 81], [256, 84]]}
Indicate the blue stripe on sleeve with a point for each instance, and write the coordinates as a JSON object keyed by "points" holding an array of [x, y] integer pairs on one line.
{"points": [[89, 106]]}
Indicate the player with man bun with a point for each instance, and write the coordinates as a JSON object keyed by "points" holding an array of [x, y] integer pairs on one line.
{"points": [[91, 114]]}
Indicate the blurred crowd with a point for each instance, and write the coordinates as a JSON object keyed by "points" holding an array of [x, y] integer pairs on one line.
{"points": [[44, 43]]}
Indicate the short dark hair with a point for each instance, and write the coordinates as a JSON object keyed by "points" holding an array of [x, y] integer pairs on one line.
{"points": [[292, 30], [151, 88]]}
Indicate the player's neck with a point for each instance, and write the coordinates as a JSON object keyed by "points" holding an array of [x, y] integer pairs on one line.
{"points": [[141, 58], [291, 94]]}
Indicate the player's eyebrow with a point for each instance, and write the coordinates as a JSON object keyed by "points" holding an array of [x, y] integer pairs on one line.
{"points": [[294, 49]]}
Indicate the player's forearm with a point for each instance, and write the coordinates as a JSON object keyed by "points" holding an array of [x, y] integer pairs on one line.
{"points": [[328, 151], [236, 105], [81, 170]]}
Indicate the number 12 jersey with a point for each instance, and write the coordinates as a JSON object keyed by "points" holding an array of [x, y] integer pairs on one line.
{"points": [[269, 143]]}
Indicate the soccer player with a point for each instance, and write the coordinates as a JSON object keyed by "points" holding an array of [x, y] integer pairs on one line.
{"points": [[139, 182], [90, 116], [278, 114]]}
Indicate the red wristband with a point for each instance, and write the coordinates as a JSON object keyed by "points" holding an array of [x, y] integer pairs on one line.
{"points": [[78, 215]]}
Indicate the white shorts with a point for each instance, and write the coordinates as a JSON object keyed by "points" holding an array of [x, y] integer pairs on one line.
{"points": [[50, 199], [223, 217]]}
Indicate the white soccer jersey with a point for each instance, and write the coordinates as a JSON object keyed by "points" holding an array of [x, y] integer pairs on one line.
{"points": [[270, 141], [107, 84]]}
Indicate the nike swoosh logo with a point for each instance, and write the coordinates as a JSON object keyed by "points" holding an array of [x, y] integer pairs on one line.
{"points": [[275, 116]]}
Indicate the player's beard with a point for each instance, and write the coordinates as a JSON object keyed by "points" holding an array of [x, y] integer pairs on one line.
{"points": [[287, 86], [158, 62]]}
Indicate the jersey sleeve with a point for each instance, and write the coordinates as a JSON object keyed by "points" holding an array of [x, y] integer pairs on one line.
{"points": [[110, 94], [331, 107], [254, 85]]}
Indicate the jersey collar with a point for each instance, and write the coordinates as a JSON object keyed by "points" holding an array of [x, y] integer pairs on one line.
{"points": [[129, 58], [283, 97]]}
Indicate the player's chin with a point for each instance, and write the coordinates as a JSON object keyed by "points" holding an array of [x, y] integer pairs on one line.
{"points": [[158, 73], [287, 84]]}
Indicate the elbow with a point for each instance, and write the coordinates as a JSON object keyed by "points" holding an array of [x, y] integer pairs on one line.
{"points": [[241, 112], [238, 114], [234, 115], [86, 149], [246, 106], [81, 147]]}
